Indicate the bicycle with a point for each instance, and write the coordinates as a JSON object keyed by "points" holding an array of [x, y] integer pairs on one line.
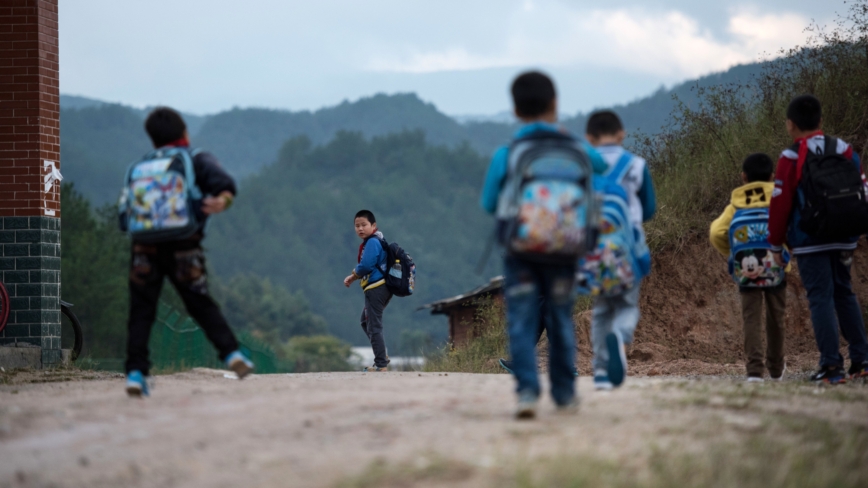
{"points": [[78, 336]]}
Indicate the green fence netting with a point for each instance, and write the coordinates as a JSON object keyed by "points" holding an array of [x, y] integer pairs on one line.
{"points": [[178, 343]]}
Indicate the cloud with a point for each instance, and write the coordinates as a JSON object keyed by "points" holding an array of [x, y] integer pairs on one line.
{"points": [[666, 44]]}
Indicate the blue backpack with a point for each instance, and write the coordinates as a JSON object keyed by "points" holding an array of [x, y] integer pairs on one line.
{"points": [[751, 262], [160, 200], [621, 257], [546, 204]]}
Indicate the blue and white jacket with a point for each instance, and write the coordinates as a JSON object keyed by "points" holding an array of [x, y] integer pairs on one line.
{"points": [[637, 184], [371, 263]]}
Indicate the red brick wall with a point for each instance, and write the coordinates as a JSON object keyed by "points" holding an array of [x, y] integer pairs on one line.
{"points": [[29, 107]]}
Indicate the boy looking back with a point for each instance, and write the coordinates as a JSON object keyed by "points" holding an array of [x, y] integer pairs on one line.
{"points": [[372, 260], [615, 317], [181, 260], [757, 278], [823, 258], [535, 290]]}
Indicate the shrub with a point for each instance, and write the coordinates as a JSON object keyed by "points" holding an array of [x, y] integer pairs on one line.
{"points": [[696, 160], [317, 353]]}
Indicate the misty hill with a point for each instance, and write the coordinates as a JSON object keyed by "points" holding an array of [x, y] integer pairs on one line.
{"points": [[99, 139], [307, 176]]}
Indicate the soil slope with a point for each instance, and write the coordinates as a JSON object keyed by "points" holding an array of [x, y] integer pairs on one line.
{"points": [[691, 317]]}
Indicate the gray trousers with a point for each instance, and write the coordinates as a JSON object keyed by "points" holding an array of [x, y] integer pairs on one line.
{"points": [[620, 314], [376, 300]]}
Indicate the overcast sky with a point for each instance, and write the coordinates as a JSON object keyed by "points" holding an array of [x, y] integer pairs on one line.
{"points": [[203, 56]]}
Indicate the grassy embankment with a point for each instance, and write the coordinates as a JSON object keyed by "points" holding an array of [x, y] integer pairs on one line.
{"points": [[696, 161]]}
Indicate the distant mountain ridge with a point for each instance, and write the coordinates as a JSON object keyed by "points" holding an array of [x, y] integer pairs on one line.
{"points": [[99, 138]]}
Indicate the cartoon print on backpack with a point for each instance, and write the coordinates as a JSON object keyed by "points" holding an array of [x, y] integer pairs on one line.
{"points": [[548, 218], [751, 262]]}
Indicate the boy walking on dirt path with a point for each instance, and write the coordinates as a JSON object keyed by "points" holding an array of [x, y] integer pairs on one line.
{"points": [[371, 261], [156, 206], [538, 289], [740, 235], [615, 317], [819, 209]]}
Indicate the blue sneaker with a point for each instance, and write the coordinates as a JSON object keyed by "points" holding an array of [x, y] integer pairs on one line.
{"points": [[601, 381], [507, 365], [239, 363], [833, 375], [137, 384], [617, 367]]}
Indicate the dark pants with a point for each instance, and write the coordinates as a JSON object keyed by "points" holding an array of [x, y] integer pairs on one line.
{"points": [[752, 312], [376, 300], [536, 292], [184, 264], [826, 276]]}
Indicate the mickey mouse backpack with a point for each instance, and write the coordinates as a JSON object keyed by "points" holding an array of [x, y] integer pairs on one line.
{"points": [[621, 257], [160, 200], [751, 262], [545, 211]]}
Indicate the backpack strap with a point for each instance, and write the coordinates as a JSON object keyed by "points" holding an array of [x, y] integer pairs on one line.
{"points": [[831, 146], [617, 172]]}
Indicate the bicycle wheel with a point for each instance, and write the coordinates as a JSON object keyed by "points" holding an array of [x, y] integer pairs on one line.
{"points": [[4, 306], [76, 328]]}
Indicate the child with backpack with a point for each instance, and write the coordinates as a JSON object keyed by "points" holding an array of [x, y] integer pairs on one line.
{"points": [[167, 198], [819, 208], [384, 270], [741, 234], [621, 259], [540, 190]]}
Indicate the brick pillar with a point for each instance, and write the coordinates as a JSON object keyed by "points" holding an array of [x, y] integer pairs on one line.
{"points": [[29, 163]]}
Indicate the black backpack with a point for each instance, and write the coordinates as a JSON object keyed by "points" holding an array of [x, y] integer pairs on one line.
{"points": [[834, 203], [400, 270]]}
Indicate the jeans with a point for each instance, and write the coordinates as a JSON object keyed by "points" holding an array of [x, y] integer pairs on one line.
{"points": [[826, 276], [619, 313], [532, 292], [184, 264], [376, 300], [752, 313]]}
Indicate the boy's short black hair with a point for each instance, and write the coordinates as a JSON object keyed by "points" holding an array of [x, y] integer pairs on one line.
{"points": [[806, 112], [758, 167], [164, 125], [367, 214], [532, 94], [604, 123]]}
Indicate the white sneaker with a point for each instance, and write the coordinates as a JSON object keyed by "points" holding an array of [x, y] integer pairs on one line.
{"points": [[781, 377], [754, 379]]}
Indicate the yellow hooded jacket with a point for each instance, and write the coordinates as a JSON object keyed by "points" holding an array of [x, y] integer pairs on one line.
{"points": [[757, 194]]}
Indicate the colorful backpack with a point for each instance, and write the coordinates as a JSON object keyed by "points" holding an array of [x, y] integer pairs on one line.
{"points": [[160, 200], [546, 205], [751, 262], [621, 257], [399, 270]]}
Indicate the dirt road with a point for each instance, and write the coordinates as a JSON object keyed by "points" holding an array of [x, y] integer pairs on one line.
{"points": [[200, 429]]}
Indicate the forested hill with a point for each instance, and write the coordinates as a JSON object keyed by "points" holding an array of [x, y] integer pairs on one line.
{"points": [[294, 224], [99, 139]]}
